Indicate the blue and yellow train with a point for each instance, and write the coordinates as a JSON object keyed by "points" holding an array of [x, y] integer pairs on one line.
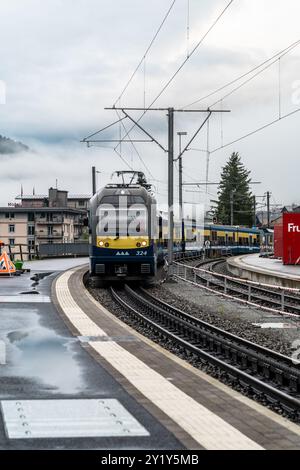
{"points": [[128, 238]]}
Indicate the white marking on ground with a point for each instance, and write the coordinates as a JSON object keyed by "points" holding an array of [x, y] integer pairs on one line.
{"points": [[32, 419], [26, 298]]}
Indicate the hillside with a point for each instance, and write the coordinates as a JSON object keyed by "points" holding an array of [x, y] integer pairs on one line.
{"points": [[9, 146]]}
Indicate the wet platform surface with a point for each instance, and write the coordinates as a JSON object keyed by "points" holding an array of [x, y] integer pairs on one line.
{"points": [[272, 265], [44, 361], [264, 270]]}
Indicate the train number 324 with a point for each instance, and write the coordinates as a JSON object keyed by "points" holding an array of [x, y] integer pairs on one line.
{"points": [[141, 253]]}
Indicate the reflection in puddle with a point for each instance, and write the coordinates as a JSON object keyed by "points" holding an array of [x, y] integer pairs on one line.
{"points": [[38, 353]]}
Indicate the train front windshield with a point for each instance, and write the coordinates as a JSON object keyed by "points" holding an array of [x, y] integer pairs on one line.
{"points": [[122, 216]]}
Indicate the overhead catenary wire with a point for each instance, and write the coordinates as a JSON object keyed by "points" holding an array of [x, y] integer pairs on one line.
{"points": [[135, 148], [240, 77], [188, 29], [146, 52], [278, 59], [170, 80], [256, 130]]}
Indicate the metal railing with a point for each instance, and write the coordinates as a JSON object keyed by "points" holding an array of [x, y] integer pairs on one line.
{"points": [[21, 251], [45, 221], [191, 274], [63, 249]]}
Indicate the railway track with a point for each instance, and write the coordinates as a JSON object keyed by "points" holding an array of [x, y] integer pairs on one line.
{"points": [[263, 373], [278, 299]]}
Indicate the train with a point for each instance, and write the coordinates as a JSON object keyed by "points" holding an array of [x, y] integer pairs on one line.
{"points": [[129, 237]]}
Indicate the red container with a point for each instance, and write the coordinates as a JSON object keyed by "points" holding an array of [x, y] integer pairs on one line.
{"points": [[278, 241], [291, 238]]}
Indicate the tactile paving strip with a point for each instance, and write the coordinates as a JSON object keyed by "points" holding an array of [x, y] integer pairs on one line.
{"points": [[31, 419]]}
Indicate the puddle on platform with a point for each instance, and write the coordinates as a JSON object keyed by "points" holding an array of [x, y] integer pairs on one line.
{"points": [[38, 353], [29, 292], [36, 278], [276, 325]]}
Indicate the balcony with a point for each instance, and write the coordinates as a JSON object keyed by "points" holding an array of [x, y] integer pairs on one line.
{"points": [[53, 236], [45, 221]]}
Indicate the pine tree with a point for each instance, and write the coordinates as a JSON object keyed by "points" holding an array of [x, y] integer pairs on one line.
{"points": [[234, 186]]}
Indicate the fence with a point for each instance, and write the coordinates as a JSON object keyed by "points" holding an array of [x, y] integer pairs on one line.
{"points": [[20, 251], [193, 275], [25, 252], [63, 249]]}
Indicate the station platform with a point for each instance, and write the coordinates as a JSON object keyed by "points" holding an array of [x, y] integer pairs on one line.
{"points": [[199, 411], [264, 270], [68, 356]]}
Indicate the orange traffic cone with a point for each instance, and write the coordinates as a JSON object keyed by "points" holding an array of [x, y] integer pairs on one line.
{"points": [[6, 266]]}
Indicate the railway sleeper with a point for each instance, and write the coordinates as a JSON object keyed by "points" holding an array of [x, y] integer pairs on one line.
{"points": [[266, 371], [293, 383], [279, 377], [254, 365], [244, 363]]}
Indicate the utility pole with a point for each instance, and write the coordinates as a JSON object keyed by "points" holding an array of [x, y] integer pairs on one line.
{"points": [[180, 134], [94, 180], [254, 211], [171, 183], [268, 208], [169, 151]]}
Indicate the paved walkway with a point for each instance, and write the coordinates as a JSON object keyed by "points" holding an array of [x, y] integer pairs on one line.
{"points": [[45, 369], [55, 264]]}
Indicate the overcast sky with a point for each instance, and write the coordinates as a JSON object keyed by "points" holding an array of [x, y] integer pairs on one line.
{"points": [[63, 61]]}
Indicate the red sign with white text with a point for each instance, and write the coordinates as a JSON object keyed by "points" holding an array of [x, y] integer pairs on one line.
{"points": [[291, 238]]}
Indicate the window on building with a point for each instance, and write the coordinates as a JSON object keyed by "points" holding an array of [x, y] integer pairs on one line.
{"points": [[81, 203], [43, 215], [12, 242], [50, 230], [31, 244], [31, 230], [10, 215], [30, 216], [11, 228]]}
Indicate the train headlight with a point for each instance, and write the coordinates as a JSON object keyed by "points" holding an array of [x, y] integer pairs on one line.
{"points": [[101, 243], [144, 243], [138, 245], [106, 245]]}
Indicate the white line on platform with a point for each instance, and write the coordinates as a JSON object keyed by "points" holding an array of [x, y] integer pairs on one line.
{"points": [[22, 299], [205, 427]]}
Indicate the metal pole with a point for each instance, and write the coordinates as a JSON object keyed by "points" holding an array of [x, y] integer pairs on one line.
{"points": [[254, 211], [180, 134], [171, 183], [181, 205], [94, 180], [268, 208], [231, 208]]}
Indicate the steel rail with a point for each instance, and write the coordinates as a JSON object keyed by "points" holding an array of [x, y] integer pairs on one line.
{"points": [[166, 326]]}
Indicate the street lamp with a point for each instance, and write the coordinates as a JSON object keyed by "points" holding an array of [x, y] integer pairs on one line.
{"points": [[180, 134], [94, 185]]}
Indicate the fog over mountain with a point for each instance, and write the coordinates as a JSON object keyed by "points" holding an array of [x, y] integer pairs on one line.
{"points": [[9, 146]]}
